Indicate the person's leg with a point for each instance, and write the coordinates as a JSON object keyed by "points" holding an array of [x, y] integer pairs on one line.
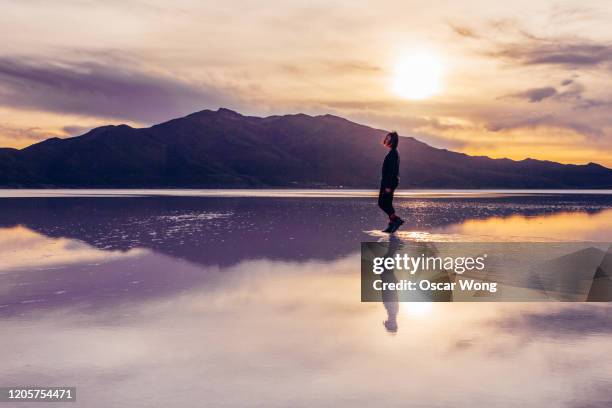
{"points": [[394, 221], [382, 200], [385, 202], [390, 210]]}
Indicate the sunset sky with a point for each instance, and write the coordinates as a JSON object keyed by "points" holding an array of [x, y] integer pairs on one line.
{"points": [[505, 79]]}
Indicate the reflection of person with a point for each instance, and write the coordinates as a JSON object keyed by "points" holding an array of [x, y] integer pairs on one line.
{"points": [[389, 182], [391, 305], [389, 297]]}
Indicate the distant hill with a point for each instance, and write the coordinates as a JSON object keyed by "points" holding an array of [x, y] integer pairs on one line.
{"points": [[224, 149]]}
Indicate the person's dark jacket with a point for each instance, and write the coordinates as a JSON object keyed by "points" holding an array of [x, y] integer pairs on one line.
{"points": [[390, 170]]}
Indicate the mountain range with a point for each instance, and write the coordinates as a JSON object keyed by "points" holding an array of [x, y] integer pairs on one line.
{"points": [[224, 149]]}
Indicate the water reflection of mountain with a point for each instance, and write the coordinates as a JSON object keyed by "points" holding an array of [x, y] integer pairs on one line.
{"points": [[224, 231], [212, 231]]}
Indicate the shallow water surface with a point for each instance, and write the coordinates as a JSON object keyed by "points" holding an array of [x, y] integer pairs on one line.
{"points": [[254, 301]]}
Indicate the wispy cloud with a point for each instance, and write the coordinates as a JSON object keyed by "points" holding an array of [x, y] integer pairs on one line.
{"points": [[546, 120], [75, 130], [569, 54], [536, 94], [507, 39], [96, 88], [31, 134], [463, 31]]}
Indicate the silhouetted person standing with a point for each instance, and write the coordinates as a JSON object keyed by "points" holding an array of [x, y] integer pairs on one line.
{"points": [[389, 182]]}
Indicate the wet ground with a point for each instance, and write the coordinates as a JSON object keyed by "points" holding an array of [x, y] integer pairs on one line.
{"points": [[255, 301]]}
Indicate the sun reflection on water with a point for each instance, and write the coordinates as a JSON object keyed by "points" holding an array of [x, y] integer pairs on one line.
{"points": [[417, 309]]}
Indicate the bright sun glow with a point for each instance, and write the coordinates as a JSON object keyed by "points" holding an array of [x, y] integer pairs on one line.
{"points": [[416, 308], [418, 77]]}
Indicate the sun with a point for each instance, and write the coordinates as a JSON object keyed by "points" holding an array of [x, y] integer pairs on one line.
{"points": [[418, 76]]}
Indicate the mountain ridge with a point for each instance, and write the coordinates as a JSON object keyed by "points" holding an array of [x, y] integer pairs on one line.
{"points": [[225, 149]]}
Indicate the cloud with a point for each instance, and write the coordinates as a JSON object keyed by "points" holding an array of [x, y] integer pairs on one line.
{"points": [[567, 54], [527, 121], [329, 68], [100, 89], [517, 122], [571, 91], [571, 52], [75, 130], [31, 134], [463, 31], [536, 94]]}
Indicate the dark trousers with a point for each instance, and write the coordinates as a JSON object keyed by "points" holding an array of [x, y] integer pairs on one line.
{"points": [[385, 201]]}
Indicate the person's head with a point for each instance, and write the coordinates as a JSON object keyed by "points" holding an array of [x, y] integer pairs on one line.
{"points": [[391, 140]]}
